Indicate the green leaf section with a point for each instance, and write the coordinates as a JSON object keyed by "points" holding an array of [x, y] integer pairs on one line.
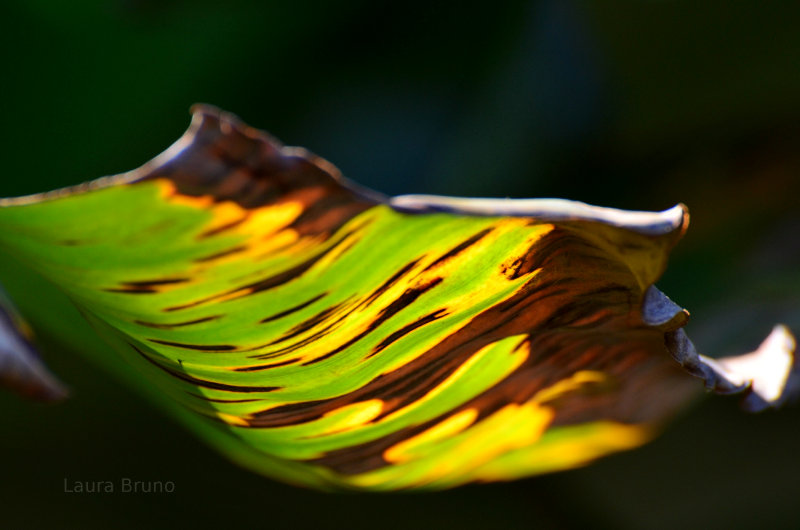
{"points": [[333, 343]]}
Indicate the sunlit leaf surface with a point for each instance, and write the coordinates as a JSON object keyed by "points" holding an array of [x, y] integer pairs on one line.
{"points": [[328, 336]]}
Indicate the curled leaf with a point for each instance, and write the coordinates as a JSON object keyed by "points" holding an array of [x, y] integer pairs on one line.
{"points": [[326, 335], [21, 369], [769, 376]]}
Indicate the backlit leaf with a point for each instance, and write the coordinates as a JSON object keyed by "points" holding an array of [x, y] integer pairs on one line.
{"points": [[325, 335]]}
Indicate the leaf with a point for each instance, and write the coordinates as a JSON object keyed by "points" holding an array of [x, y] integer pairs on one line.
{"points": [[326, 335], [20, 367]]}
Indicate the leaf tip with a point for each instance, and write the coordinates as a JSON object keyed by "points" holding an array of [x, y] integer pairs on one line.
{"points": [[772, 371], [769, 376]]}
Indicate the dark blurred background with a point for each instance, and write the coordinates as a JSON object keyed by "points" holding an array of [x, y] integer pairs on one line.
{"points": [[631, 104]]}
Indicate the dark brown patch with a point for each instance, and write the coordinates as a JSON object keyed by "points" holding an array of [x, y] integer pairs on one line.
{"points": [[155, 283], [145, 287], [292, 309], [271, 282], [461, 247], [298, 270], [222, 254], [131, 291], [220, 400], [176, 324], [308, 323], [214, 385], [228, 160], [403, 301], [388, 283], [265, 366], [196, 347], [400, 333], [223, 228]]}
